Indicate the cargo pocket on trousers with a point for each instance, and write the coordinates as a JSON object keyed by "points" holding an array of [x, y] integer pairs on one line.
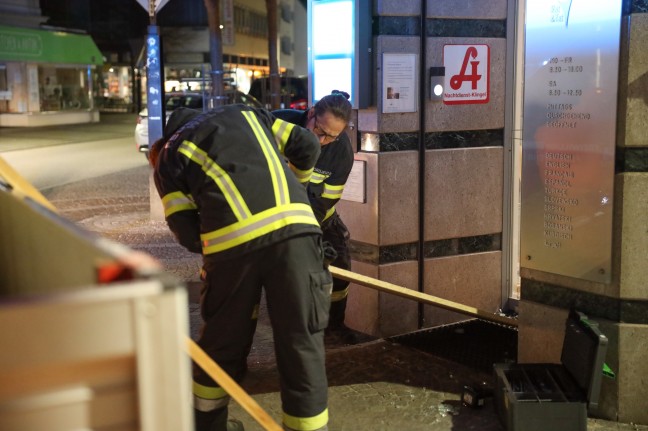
{"points": [[321, 285]]}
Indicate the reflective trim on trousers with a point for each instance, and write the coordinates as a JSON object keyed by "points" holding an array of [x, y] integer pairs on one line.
{"points": [[208, 398], [313, 423]]}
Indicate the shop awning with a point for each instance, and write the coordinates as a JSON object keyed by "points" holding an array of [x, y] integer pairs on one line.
{"points": [[43, 46]]}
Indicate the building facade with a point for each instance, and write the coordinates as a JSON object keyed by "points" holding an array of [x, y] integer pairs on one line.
{"points": [[47, 75]]}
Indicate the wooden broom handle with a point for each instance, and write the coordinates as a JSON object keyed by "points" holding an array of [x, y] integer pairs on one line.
{"points": [[383, 286]]}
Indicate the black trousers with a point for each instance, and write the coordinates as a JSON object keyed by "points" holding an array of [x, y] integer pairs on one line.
{"points": [[336, 233], [297, 292]]}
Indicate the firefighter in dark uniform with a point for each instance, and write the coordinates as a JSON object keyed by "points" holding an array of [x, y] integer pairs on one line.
{"points": [[328, 119], [232, 182]]}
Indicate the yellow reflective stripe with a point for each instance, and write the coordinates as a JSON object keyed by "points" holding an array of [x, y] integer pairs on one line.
{"points": [[317, 178], [220, 177], [177, 201], [256, 226], [306, 424], [281, 130], [339, 295], [332, 192], [329, 213], [279, 183], [302, 176], [204, 405], [208, 392]]}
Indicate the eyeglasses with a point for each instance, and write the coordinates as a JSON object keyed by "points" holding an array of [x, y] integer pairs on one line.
{"points": [[321, 134]]}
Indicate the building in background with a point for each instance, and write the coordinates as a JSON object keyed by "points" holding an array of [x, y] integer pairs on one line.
{"points": [[186, 51], [93, 61], [119, 28], [47, 75]]}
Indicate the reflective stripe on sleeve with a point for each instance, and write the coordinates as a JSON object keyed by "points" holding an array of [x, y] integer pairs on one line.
{"points": [[302, 176], [317, 178], [306, 424], [332, 192], [177, 201], [281, 130]]}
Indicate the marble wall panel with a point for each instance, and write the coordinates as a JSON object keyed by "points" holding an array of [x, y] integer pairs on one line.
{"points": [[395, 122], [397, 7], [632, 193], [636, 93], [362, 312], [398, 315], [463, 192], [541, 330], [472, 279], [442, 117], [481, 9], [398, 200], [475, 9], [368, 120], [632, 374], [361, 218]]}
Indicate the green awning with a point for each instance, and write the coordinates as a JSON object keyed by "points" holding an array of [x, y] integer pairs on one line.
{"points": [[43, 46]]}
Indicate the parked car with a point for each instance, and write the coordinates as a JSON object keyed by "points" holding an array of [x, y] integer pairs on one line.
{"points": [[187, 99], [294, 91]]}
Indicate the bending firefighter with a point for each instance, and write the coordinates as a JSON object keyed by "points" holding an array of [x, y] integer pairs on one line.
{"points": [[232, 181], [327, 120]]}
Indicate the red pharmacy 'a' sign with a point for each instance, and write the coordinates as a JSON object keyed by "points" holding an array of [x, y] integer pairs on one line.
{"points": [[466, 74]]}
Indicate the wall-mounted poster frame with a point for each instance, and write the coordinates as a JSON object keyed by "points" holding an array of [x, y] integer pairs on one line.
{"points": [[399, 83]]}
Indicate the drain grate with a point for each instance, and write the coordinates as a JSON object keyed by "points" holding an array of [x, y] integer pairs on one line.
{"points": [[475, 343]]}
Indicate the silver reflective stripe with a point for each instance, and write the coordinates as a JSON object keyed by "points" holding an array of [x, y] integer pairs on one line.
{"points": [[279, 133], [205, 405], [253, 227], [318, 178]]}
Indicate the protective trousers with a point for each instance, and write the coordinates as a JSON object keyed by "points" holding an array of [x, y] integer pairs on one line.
{"points": [[337, 235], [297, 293]]}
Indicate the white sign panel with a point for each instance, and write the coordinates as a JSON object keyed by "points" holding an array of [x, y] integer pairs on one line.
{"points": [[569, 136], [354, 189], [152, 5], [228, 22], [399, 83], [466, 74]]}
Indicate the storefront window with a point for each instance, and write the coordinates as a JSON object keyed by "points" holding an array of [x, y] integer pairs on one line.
{"points": [[5, 94], [63, 88]]}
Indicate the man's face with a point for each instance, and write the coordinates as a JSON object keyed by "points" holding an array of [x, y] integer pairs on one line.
{"points": [[327, 127]]}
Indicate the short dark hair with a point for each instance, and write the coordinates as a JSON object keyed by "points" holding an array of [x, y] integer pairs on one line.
{"points": [[337, 103], [154, 151]]}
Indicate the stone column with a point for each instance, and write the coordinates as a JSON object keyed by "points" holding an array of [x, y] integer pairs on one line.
{"points": [[621, 307], [457, 253]]}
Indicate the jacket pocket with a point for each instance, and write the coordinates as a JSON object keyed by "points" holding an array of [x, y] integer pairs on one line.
{"points": [[321, 285]]}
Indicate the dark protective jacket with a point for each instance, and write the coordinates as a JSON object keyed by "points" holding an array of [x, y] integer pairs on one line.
{"points": [[232, 180], [331, 170]]}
